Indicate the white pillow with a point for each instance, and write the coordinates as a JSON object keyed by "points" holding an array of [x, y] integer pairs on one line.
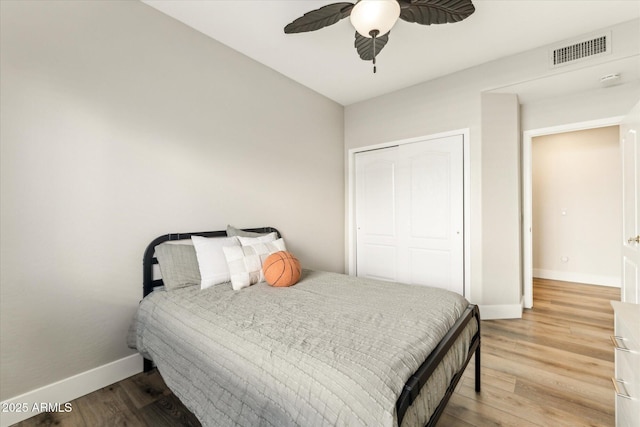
{"points": [[211, 261], [248, 241], [245, 262]]}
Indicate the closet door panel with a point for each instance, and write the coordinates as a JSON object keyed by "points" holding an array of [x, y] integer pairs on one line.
{"points": [[376, 214], [409, 213], [431, 202], [429, 188], [430, 267]]}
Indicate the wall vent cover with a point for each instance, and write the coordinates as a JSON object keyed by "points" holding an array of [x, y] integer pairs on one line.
{"points": [[580, 50]]}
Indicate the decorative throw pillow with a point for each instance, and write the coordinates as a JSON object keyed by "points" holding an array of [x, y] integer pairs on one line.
{"points": [[178, 265], [281, 269], [248, 241], [232, 231], [211, 261], [245, 262]]}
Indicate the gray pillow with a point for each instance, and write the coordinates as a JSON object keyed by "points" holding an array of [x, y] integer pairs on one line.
{"points": [[178, 265], [232, 231]]}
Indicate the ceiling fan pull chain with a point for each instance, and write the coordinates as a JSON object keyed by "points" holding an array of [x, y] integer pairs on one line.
{"points": [[374, 54], [374, 34]]}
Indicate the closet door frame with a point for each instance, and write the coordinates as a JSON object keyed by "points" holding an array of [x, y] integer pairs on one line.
{"points": [[351, 194]]}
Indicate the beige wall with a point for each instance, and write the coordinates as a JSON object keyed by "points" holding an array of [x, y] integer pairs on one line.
{"points": [[577, 206], [119, 124], [500, 146]]}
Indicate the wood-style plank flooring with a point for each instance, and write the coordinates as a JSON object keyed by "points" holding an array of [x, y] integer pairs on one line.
{"points": [[550, 368], [553, 367]]}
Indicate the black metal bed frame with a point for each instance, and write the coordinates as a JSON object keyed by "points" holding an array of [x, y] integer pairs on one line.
{"points": [[413, 385], [148, 283]]}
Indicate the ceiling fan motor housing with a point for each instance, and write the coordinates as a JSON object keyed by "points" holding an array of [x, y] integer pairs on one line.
{"points": [[375, 15]]}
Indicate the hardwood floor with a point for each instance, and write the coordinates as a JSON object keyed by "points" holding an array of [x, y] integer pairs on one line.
{"points": [[141, 400], [553, 367], [550, 368]]}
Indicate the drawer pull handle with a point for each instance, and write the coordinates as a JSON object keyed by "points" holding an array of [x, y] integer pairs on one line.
{"points": [[618, 343], [617, 385]]}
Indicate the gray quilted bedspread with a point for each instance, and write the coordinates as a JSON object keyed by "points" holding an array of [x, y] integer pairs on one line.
{"points": [[333, 350]]}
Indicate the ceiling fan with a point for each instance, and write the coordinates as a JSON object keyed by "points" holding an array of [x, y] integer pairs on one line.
{"points": [[373, 19]]}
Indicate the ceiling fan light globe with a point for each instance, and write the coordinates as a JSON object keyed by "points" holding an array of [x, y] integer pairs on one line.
{"points": [[370, 15]]}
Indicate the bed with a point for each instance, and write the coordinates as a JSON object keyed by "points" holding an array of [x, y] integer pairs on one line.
{"points": [[331, 350]]}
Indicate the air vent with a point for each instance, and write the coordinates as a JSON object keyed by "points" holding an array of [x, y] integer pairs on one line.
{"points": [[581, 50]]}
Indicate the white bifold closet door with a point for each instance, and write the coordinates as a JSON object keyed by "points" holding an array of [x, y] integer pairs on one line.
{"points": [[409, 213]]}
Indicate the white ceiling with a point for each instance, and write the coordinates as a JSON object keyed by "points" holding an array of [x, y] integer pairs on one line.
{"points": [[327, 62]]}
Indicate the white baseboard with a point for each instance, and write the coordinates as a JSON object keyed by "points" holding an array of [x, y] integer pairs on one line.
{"points": [[501, 311], [57, 394], [589, 279]]}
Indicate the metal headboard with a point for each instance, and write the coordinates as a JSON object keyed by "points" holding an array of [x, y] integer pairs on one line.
{"points": [[149, 260]]}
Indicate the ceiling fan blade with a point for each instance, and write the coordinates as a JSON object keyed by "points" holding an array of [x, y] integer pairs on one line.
{"points": [[427, 12], [364, 45], [320, 18]]}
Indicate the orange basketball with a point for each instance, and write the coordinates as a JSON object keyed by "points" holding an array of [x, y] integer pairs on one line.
{"points": [[281, 269]]}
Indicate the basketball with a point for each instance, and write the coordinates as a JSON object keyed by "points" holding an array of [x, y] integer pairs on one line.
{"points": [[281, 269]]}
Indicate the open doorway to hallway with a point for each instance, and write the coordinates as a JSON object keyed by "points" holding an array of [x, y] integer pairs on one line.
{"points": [[576, 206]]}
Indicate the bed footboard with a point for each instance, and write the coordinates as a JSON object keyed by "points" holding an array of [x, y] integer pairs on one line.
{"points": [[418, 380]]}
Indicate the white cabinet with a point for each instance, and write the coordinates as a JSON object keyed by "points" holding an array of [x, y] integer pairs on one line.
{"points": [[627, 363]]}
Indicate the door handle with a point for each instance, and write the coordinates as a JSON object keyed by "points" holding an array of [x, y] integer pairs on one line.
{"points": [[621, 346], [621, 390], [631, 240]]}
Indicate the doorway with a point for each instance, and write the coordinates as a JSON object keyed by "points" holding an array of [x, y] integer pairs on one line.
{"points": [[577, 201], [560, 222]]}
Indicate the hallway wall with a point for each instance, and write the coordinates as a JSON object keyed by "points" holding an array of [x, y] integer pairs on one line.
{"points": [[577, 190]]}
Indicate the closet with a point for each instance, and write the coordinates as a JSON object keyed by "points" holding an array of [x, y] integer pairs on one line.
{"points": [[409, 213]]}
